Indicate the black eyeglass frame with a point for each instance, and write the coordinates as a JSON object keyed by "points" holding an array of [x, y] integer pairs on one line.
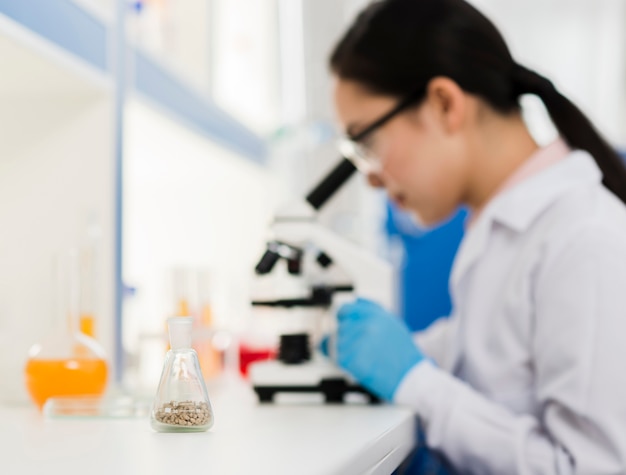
{"points": [[409, 100]]}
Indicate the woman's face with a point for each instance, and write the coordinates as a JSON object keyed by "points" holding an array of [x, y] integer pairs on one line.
{"points": [[421, 153]]}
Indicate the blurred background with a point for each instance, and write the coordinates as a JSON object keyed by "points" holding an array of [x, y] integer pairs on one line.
{"points": [[157, 137]]}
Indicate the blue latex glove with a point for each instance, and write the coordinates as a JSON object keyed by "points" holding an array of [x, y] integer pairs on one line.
{"points": [[374, 347]]}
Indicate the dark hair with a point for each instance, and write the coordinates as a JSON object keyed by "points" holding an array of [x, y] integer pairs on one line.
{"points": [[394, 46]]}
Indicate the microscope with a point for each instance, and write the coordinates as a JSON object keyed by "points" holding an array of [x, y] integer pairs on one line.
{"points": [[334, 270]]}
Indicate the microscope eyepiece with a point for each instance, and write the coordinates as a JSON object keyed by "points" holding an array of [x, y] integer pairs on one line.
{"points": [[294, 264], [277, 250], [267, 262], [331, 183]]}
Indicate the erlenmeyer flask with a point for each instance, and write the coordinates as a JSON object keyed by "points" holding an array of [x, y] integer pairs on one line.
{"points": [[182, 401], [67, 362]]}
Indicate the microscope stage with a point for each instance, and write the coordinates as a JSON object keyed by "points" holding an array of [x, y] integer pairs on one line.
{"points": [[317, 376]]}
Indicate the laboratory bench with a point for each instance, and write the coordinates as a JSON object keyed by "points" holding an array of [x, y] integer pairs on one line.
{"points": [[290, 438]]}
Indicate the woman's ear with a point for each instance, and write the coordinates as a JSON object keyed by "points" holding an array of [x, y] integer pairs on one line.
{"points": [[448, 102]]}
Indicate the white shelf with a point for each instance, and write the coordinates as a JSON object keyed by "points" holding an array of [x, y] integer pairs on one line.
{"points": [[153, 81], [40, 83], [80, 40], [36, 66]]}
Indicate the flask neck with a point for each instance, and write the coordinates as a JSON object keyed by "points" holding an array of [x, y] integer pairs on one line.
{"points": [[180, 332], [67, 291]]}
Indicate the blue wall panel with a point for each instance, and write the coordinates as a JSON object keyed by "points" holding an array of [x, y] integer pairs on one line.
{"points": [[64, 23]]}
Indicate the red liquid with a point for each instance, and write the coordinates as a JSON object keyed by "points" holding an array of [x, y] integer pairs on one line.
{"points": [[249, 354]]}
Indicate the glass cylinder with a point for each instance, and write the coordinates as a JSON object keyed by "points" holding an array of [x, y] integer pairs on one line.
{"points": [[182, 401], [66, 362], [87, 294]]}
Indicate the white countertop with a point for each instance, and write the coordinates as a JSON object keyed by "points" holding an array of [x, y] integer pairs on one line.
{"points": [[247, 438]]}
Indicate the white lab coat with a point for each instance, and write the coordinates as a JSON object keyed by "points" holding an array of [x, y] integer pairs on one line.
{"points": [[530, 373]]}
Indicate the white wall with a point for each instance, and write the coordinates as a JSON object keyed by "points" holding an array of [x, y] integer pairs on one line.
{"points": [[188, 203], [356, 211], [579, 44], [244, 61]]}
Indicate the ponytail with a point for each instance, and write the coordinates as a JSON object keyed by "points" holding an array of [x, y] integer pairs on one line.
{"points": [[574, 126]]}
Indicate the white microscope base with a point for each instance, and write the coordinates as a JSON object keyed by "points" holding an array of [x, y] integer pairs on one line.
{"points": [[317, 376]]}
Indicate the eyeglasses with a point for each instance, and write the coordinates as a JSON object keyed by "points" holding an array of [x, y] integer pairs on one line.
{"points": [[354, 147]]}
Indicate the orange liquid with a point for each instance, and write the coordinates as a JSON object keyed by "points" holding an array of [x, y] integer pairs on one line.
{"points": [[210, 359], [66, 377], [183, 308], [209, 356], [206, 316], [87, 325]]}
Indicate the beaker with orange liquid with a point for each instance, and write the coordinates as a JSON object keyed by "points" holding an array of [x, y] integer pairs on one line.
{"points": [[67, 362]]}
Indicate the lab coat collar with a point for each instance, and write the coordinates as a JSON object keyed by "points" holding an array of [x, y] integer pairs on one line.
{"points": [[519, 206]]}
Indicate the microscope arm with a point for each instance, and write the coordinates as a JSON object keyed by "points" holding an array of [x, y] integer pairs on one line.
{"points": [[296, 225]]}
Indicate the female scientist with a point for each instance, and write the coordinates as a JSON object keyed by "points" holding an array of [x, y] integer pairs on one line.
{"points": [[528, 374]]}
